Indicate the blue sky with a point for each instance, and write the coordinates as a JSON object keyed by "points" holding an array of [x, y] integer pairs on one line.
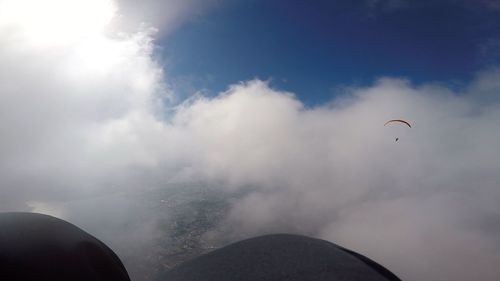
{"points": [[314, 47]]}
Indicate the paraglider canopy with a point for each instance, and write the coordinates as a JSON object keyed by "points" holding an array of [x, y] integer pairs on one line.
{"points": [[396, 121]]}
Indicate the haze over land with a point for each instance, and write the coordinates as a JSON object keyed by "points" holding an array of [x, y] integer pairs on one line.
{"points": [[94, 131]]}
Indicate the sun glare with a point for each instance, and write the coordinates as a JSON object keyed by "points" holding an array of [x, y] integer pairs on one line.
{"points": [[51, 22]]}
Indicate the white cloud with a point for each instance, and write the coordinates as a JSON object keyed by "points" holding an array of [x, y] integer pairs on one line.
{"points": [[63, 100], [46, 208], [45, 23], [336, 172], [165, 15]]}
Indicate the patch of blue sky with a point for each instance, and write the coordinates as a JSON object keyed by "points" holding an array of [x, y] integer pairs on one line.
{"points": [[312, 48]]}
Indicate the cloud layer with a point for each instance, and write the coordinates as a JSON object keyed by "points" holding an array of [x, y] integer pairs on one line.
{"points": [[85, 119], [425, 206], [64, 101]]}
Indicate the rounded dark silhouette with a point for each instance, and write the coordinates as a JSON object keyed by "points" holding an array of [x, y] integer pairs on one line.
{"points": [[35, 247], [280, 257]]}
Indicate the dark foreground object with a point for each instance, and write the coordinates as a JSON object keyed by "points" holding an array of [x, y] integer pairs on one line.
{"points": [[280, 257], [35, 247]]}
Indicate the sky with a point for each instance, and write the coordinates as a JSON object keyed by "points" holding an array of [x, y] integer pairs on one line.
{"points": [[312, 49], [101, 100]]}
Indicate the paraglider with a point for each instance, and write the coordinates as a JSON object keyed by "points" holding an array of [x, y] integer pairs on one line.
{"points": [[398, 121]]}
